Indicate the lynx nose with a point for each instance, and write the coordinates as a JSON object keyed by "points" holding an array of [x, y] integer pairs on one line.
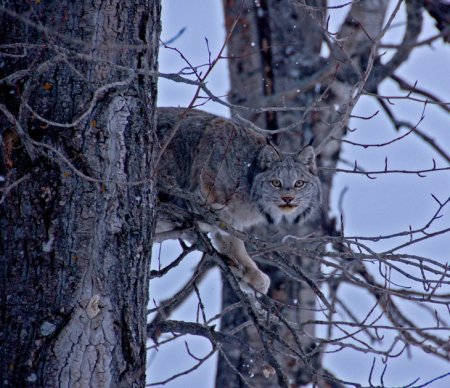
{"points": [[287, 198]]}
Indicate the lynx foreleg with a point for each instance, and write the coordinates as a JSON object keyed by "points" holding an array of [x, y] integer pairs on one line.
{"points": [[246, 269]]}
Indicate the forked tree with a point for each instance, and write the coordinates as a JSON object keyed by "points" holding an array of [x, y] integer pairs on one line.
{"points": [[77, 114]]}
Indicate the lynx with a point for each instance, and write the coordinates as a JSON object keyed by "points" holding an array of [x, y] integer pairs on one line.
{"points": [[235, 173]]}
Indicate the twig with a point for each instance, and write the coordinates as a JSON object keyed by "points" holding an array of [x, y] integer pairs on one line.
{"points": [[6, 190]]}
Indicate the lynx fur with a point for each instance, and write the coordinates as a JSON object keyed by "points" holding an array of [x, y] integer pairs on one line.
{"points": [[235, 173]]}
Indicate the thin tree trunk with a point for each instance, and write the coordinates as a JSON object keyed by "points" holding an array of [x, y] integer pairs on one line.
{"points": [[275, 60], [75, 232]]}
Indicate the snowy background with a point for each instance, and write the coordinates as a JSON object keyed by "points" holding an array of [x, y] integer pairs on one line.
{"points": [[389, 204]]}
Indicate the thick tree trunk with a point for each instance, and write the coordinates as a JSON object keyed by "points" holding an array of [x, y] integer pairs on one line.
{"points": [[275, 60], [76, 228]]}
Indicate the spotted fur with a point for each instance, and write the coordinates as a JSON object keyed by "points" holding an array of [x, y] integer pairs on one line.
{"points": [[236, 173]]}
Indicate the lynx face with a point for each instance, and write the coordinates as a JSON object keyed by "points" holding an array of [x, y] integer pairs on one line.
{"points": [[287, 185]]}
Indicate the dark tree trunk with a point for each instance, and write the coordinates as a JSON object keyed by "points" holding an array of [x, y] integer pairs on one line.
{"points": [[75, 223], [274, 60]]}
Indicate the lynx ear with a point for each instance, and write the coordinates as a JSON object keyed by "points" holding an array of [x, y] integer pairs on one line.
{"points": [[308, 158], [269, 154]]}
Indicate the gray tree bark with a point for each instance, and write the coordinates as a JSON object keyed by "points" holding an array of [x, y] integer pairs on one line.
{"points": [[77, 99], [275, 60]]}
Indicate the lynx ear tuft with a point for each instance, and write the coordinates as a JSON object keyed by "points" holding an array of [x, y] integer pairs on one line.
{"points": [[308, 158], [269, 154]]}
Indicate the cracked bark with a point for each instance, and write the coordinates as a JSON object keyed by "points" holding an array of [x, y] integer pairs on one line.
{"points": [[75, 253]]}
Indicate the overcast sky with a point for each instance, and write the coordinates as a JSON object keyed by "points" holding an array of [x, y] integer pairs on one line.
{"points": [[371, 207]]}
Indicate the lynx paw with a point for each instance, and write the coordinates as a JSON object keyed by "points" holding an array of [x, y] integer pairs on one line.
{"points": [[258, 280], [253, 279]]}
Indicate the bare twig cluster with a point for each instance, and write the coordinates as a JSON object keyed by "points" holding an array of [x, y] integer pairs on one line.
{"points": [[394, 279], [397, 281]]}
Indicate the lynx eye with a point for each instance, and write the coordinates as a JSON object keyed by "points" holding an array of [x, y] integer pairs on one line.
{"points": [[298, 184], [275, 183]]}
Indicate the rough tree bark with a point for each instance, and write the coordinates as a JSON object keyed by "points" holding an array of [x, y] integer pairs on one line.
{"points": [[77, 98], [274, 60]]}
